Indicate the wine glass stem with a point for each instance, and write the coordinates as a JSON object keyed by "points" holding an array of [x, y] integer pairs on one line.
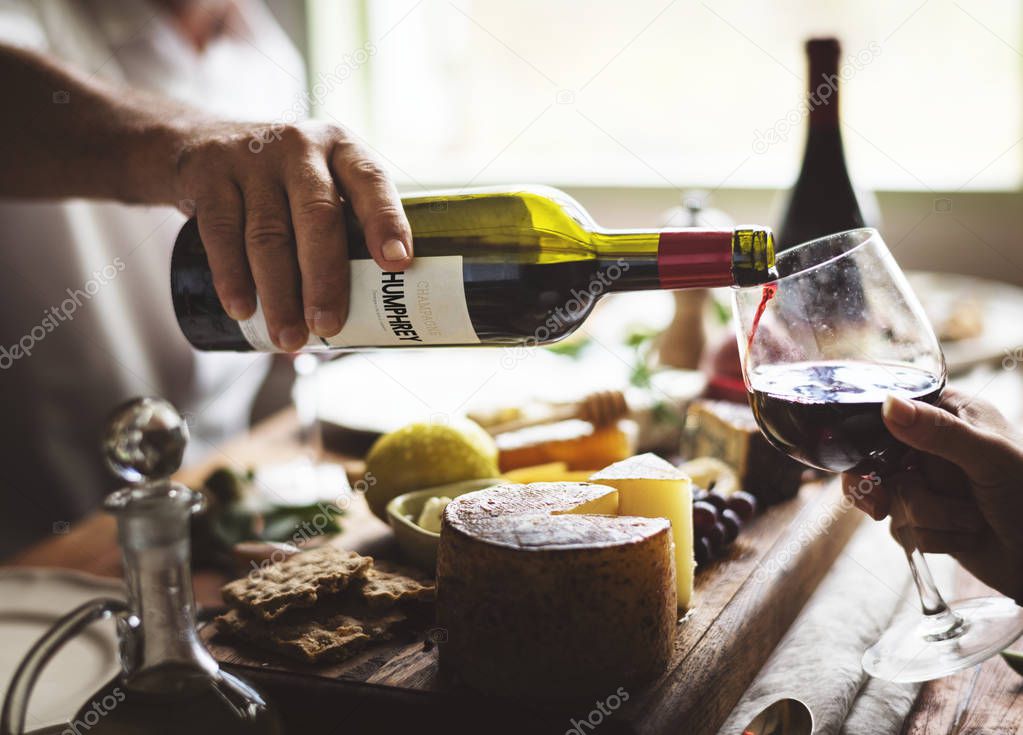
{"points": [[941, 622], [305, 406]]}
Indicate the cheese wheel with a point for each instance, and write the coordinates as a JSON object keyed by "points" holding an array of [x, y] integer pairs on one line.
{"points": [[546, 594]]}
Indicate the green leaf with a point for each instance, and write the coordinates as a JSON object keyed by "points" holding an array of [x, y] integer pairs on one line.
{"points": [[639, 336], [641, 375], [666, 413], [721, 311], [1015, 660], [572, 348], [281, 524]]}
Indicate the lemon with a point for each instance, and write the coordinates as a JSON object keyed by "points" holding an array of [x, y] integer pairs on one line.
{"points": [[424, 455]]}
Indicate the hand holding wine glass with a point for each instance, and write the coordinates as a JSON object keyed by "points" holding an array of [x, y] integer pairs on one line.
{"points": [[963, 496], [824, 347]]}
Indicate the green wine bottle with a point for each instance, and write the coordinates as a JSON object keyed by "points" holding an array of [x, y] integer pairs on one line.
{"points": [[503, 266]]}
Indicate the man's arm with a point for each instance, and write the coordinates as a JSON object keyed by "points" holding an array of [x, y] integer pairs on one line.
{"points": [[68, 135], [272, 220]]}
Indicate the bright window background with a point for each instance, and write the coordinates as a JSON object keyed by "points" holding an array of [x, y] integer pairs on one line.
{"points": [[657, 93]]}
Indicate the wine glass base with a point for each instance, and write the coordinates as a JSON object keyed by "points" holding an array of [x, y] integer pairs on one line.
{"points": [[910, 650]]}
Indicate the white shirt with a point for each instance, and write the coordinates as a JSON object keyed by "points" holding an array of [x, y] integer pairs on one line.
{"points": [[86, 284]]}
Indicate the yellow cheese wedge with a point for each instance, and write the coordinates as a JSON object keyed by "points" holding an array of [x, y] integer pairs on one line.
{"points": [[548, 472], [573, 476], [589, 499], [651, 487]]}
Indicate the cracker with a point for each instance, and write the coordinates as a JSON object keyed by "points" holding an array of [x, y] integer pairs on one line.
{"points": [[386, 585], [308, 635], [296, 582]]}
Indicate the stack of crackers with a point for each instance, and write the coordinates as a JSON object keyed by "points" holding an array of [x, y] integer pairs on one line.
{"points": [[324, 605]]}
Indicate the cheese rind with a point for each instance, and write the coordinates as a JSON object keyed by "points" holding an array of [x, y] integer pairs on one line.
{"points": [[651, 487], [543, 602]]}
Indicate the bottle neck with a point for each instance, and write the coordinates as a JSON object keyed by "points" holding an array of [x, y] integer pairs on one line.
{"points": [[822, 85], [155, 547], [683, 258], [824, 150]]}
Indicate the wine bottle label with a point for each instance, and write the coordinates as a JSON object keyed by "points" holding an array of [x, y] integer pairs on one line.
{"points": [[424, 305]]}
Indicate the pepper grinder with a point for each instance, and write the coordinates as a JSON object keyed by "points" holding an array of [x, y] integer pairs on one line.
{"points": [[169, 682], [682, 343]]}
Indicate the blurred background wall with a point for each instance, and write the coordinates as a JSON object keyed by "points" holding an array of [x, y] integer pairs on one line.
{"points": [[628, 105]]}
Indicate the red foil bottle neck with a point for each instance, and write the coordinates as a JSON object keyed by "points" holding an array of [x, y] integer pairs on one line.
{"points": [[695, 258]]}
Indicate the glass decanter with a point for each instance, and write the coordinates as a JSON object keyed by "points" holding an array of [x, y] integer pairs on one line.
{"points": [[169, 682]]}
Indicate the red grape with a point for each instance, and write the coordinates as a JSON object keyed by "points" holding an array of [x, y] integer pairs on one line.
{"points": [[732, 524], [743, 504], [705, 515], [718, 501], [716, 537], [702, 550]]}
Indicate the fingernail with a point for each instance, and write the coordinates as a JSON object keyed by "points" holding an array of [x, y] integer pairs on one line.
{"points": [[239, 309], [291, 338], [394, 250], [899, 411], [324, 323]]}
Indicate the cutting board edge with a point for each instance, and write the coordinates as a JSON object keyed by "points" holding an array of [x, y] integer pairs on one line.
{"points": [[711, 705]]}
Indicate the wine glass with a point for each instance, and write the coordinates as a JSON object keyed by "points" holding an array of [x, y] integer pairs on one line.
{"points": [[307, 478], [821, 348]]}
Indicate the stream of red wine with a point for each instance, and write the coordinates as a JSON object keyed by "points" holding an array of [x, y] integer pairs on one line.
{"points": [[769, 291]]}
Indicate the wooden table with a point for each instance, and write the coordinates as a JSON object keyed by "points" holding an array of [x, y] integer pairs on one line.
{"points": [[987, 699]]}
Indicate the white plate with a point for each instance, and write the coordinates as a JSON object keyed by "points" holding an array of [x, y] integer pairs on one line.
{"points": [[377, 392], [1002, 306], [31, 600]]}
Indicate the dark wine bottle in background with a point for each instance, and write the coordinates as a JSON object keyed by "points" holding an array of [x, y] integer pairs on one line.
{"points": [[823, 201]]}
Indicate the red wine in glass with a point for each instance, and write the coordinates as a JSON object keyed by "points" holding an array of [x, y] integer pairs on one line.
{"points": [[828, 414]]}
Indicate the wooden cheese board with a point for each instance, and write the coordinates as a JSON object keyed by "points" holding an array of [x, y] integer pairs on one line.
{"points": [[744, 604]]}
